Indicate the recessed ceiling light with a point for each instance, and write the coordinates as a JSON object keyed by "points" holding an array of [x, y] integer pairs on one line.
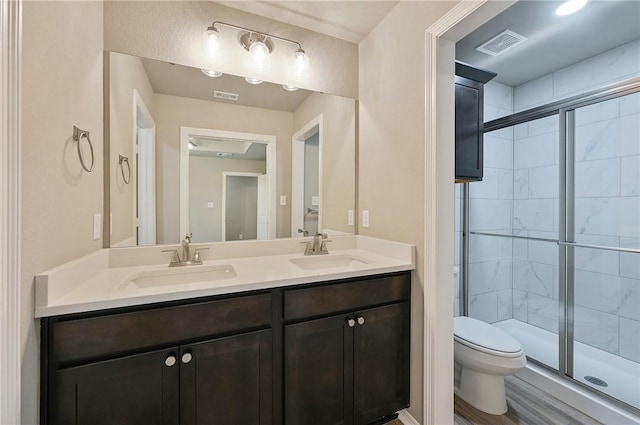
{"points": [[211, 73], [570, 6], [253, 80], [289, 88]]}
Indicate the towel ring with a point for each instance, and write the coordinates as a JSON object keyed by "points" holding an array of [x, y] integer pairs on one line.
{"points": [[122, 159], [77, 137]]}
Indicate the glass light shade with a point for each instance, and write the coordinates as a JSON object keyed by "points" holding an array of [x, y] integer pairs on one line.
{"points": [[300, 62], [253, 80], [289, 88], [212, 42], [570, 6], [211, 73], [259, 50]]}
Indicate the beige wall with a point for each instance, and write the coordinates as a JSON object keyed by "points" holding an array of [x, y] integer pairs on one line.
{"points": [[126, 74], [172, 112], [173, 31], [61, 87], [392, 152], [338, 155], [205, 185]]}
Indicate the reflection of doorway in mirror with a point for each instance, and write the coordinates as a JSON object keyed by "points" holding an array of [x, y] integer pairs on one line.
{"points": [[306, 184], [244, 209], [144, 170], [209, 158]]}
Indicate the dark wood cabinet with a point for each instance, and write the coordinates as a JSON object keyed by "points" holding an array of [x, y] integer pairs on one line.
{"points": [[350, 368], [469, 121], [319, 354]]}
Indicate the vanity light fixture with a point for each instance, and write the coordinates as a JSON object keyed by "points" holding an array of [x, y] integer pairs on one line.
{"points": [[211, 73], [289, 88], [257, 43], [254, 81], [570, 6]]}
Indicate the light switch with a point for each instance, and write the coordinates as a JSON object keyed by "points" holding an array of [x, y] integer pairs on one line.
{"points": [[283, 200], [209, 204], [96, 227], [365, 218], [350, 218]]}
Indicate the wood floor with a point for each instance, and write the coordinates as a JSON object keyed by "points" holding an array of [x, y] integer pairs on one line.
{"points": [[527, 406]]}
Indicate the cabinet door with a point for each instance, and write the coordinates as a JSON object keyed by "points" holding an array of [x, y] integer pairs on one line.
{"points": [[227, 381], [381, 362], [134, 390], [469, 129], [319, 372]]}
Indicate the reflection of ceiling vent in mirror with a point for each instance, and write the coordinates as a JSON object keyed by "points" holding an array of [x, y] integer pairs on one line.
{"points": [[225, 95], [502, 42], [224, 154]]}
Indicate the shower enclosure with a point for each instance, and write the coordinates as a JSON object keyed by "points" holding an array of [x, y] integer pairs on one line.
{"points": [[550, 247]]}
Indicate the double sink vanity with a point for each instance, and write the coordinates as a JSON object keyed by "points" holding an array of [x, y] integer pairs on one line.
{"points": [[259, 333]]}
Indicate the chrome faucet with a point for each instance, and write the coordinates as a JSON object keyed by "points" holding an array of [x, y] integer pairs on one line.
{"points": [[186, 259], [318, 246]]}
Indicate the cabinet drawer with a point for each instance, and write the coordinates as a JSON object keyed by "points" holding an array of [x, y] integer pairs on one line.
{"points": [[337, 297], [109, 335]]}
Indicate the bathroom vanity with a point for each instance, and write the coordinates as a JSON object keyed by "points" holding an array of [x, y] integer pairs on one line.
{"points": [[325, 342]]}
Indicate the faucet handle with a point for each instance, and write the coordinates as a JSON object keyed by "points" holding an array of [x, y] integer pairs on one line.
{"points": [[175, 258], [196, 254]]}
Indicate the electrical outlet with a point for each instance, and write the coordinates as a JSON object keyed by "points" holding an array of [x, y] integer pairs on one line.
{"points": [[315, 201], [96, 226], [350, 218], [365, 218]]}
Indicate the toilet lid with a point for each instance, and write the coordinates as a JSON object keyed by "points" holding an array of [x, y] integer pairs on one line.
{"points": [[480, 335]]}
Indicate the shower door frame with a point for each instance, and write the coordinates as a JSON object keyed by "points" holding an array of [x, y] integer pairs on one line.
{"points": [[565, 110]]}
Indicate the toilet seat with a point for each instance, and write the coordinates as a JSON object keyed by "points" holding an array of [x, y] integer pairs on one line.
{"points": [[485, 338]]}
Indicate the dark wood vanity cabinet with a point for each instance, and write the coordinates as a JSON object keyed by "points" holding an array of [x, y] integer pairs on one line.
{"points": [[198, 363], [319, 354], [352, 366], [469, 121]]}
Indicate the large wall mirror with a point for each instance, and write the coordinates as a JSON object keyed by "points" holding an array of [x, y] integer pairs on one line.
{"points": [[223, 159]]}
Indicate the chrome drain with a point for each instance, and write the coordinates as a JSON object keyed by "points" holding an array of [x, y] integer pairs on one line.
{"points": [[596, 381]]}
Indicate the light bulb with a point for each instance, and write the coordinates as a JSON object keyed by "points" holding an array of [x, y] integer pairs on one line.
{"points": [[289, 88], [259, 50], [300, 62], [253, 80], [212, 42], [570, 6]]}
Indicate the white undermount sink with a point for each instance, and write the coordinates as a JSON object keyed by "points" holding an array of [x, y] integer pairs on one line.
{"points": [[329, 261], [182, 275]]}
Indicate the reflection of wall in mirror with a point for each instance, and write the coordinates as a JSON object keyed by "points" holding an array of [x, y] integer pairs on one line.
{"points": [[126, 75], [205, 186], [311, 182], [338, 156], [172, 112]]}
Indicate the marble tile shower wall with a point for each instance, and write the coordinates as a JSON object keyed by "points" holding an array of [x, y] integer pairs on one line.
{"points": [[607, 205], [491, 204]]}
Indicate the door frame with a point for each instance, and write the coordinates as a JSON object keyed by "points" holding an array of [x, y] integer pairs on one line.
{"points": [[145, 165], [266, 139], [225, 175], [298, 141]]}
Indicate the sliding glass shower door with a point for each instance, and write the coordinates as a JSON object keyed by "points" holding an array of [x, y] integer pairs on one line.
{"points": [[553, 233]]}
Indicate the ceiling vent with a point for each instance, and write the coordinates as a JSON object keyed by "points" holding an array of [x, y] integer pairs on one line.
{"points": [[225, 95], [502, 42]]}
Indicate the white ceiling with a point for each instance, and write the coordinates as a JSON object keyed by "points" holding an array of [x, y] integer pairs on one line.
{"points": [[346, 20], [553, 42]]}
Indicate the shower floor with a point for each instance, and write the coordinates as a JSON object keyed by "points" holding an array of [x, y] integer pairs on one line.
{"points": [[621, 375]]}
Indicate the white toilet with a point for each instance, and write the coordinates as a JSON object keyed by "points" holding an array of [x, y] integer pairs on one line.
{"points": [[484, 355]]}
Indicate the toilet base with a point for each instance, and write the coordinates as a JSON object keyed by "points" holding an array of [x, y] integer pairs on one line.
{"points": [[484, 392]]}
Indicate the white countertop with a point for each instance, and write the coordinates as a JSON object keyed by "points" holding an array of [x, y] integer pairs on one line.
{"points": [[102, 280]]}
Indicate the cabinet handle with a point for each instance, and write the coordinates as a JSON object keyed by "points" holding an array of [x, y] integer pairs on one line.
{"points": [[351, 322], [186, 358], [170, 360], [360, 320]]}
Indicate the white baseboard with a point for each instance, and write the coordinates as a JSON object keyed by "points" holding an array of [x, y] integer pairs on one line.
{"points": [[406, 418]]}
